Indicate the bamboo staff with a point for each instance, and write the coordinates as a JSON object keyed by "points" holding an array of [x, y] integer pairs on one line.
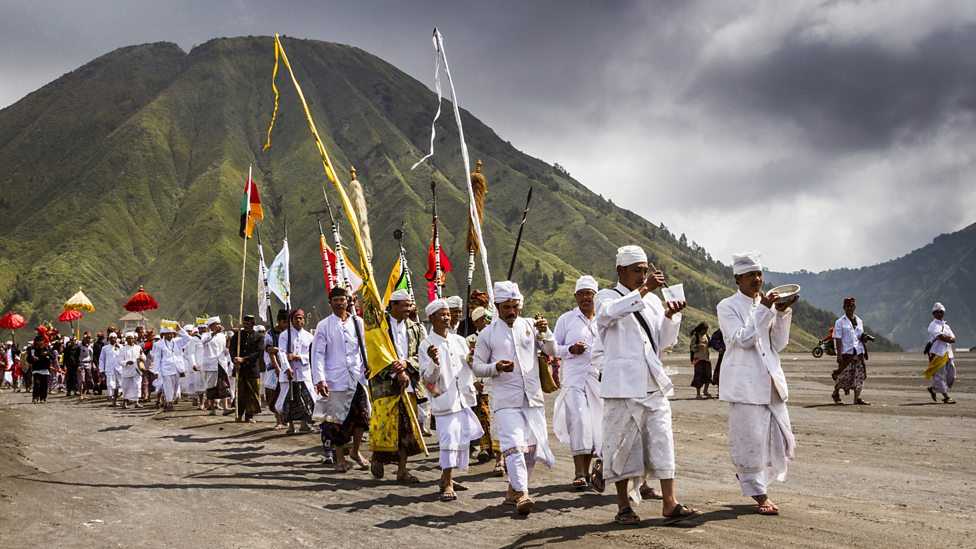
{"points": [[240, 315], [437, 243], [518, 239]]}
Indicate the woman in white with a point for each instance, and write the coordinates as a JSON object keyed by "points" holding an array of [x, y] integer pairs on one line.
{"points": [[445, 371], [132, 362], [578, 416]]}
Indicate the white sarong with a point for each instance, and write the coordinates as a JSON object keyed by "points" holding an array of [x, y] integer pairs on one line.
{"points": [[577, 420], [761, 443], [524, 439], [132, 388], [113, 382], [209, 379], [637, 440], [171, 384], [455, 432]]}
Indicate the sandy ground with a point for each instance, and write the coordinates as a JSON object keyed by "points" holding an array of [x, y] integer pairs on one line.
{"points": [[900, 473]]}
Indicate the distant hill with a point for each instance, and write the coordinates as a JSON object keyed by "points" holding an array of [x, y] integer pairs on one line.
{"points": [[896, 296], [129, 171]]}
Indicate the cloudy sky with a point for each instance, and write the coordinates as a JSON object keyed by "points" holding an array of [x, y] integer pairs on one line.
{"points": [[824, 133]]}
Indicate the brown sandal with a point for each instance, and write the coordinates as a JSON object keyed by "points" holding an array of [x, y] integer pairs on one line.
{"points": [[767, 508], [627, 517]]}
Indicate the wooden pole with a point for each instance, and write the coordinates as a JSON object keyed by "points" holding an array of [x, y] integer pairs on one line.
{"points": [[240, 316], [518, 239]]}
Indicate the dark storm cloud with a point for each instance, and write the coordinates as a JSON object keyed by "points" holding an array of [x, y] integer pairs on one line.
{"points": [[851, 95]]}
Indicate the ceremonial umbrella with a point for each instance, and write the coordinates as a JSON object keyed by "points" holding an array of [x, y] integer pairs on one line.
{"points": [[12, 321], [70, 316], [141, 301], [79, 302]]}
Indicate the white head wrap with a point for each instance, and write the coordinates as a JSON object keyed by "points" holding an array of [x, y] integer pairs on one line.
{"points": [[189, 328], [400, 295], [506, 290], [455, 302], [746, 262], [113, 334], [435, 306], [260, 328], [628, 255], [586, 282], [938, 307], [133, 335], [166, 330], [213, 320], [478, 313]]}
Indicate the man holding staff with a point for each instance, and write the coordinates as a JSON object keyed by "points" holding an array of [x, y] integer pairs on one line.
{"points": [[638, 442], [756, 328]]}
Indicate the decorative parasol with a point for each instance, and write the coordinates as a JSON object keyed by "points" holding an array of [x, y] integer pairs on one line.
{"points": [[12, 321], [141, 301], [69, 315], [79, 302]]}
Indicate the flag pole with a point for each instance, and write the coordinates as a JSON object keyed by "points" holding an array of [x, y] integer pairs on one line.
{"points": [[518, 239], [438, 289], [240, 316]]}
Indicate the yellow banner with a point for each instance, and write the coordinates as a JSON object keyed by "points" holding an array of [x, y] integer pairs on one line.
{"points": [[380, 351], [391, 282]]}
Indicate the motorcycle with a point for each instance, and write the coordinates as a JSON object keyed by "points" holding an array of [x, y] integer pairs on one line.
{"points": [[825, 345]]}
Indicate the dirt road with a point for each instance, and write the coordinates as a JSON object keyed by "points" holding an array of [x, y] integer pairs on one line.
{"points": [[899, 473]]}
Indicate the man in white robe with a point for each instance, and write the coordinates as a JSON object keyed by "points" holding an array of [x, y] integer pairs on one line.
{"points": [[167, 355], [444, 367], [507, 352], [133, 362], [109, 367], [756, 328], [634, 327], [274, 358], [578, 417], [215, 365], [339, 376], [188, 382], [942, 368], [456, 305], [296, 395]]}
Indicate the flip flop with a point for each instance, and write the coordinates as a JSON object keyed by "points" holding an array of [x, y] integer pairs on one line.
{"points": [[408, 479], [627, 517], [458, 486], [498, 470], [647, 492], [524, 505], [596, 477], [680, 513], [579, 483], [767, 508], [376, 469], [448, 496]]}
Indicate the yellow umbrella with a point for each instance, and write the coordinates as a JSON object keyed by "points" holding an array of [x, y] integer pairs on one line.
{"points": [[79, 302]]}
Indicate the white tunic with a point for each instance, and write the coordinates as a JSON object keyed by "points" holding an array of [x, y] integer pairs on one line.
{"points": [[108, 360], [301, 344], [336, 357], [168, 355], [631, 367], [849, 333], [939, 347], [453, 373], [129, 360], [518, 344], [754, 336], [571, 328], [215, 353]]}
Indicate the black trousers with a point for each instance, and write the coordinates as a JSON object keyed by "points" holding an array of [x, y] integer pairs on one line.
{"points": [[39, 391]]}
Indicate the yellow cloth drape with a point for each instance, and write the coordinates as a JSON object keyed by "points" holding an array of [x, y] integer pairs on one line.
{"points": [[380, 351], [936, 363]]}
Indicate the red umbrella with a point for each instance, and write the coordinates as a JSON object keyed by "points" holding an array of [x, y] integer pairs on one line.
{"points": [[12, 321], [69, 316], [141, 301]]}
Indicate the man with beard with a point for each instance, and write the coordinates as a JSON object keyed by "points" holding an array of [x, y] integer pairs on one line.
{"points": [[246, 349], [507, 352], [295, 400], [756, 328], [578, 417], [339, 376]]}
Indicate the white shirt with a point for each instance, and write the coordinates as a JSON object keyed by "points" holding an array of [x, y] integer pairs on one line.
{"points": [[631, 367], [519, 344], [400, 337], [108, 359], [215, 353], [940, 327], [301, 345], [453, 372], [336, 357], [130, 353], [573, 327], [754, 336], [191, 352], [168, 355], [849, 333]]}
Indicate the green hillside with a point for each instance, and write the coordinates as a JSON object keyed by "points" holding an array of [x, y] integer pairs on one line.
{"points": [[129, 171]]}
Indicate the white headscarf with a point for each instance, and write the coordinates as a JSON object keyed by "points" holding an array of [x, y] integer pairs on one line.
{"points": [[746, 262], [628, 255], [506, 290], [435, 306], [586, 282]]}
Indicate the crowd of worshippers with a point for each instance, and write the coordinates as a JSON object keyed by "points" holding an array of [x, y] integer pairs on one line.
{"points": [[481, 382]]}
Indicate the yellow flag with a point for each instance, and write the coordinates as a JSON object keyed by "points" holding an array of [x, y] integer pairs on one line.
{"points": [[395, 280], [380, 351]]}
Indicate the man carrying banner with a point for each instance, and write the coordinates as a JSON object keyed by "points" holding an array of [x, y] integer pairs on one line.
{"points": [[339, 376], [402, 373]]}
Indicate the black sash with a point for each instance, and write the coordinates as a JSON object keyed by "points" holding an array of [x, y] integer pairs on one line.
{"points": [[643, 323]]}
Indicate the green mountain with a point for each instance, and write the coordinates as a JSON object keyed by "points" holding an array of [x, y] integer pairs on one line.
{"points": [[129, 170], [897, 296]]}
